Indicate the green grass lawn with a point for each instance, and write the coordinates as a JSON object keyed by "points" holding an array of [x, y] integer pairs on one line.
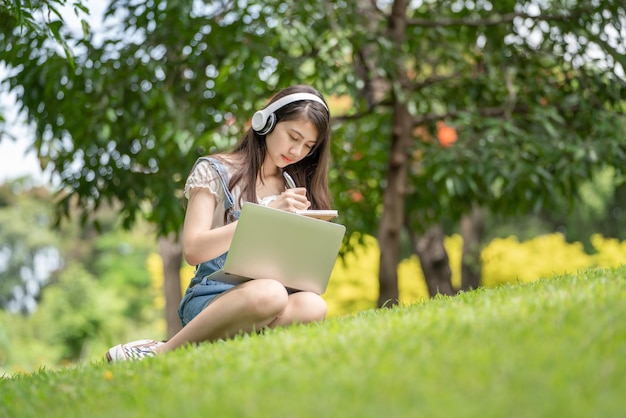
{"points": [[552, 348]]}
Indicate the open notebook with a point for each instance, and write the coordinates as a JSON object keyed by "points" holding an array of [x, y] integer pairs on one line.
{"points": [[298, 251], [325, 215]]}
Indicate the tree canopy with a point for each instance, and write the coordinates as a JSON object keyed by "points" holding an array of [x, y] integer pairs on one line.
{"points": [[29, 251], [43, 20], [439, 105]]}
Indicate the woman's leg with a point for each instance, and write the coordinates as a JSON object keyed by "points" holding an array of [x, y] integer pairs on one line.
{"points": [[250, 306], [301, 308]]}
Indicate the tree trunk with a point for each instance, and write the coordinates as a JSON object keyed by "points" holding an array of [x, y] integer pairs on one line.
{"points": [[172, 255], [472, 230], [434, 260], [392, 219], [365, 59]]}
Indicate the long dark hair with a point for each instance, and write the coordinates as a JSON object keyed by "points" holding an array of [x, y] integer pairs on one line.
{"points": [[310, 172]]}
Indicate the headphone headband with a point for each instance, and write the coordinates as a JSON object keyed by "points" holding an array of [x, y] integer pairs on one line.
{"points": [[260, 118], [295, 97]]}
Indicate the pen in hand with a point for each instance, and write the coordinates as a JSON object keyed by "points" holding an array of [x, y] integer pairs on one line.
{"points": [[290, 183]]}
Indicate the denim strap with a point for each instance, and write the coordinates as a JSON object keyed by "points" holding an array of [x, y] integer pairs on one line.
{"points": [[229, 201]]}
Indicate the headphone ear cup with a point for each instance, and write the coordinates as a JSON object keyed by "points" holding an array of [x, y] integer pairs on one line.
{"points": [[269, 125], [259, 121], [263, 121]]}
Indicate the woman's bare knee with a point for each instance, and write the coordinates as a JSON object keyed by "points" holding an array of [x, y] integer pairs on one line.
{"points": [[264, 298], [316, 307], [304, 307]]}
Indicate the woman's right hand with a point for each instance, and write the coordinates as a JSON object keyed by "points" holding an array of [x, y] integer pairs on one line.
{"points": [[291, 200]]}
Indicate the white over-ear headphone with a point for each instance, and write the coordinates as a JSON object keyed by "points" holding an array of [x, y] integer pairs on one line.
{"points": [[263, 120]]}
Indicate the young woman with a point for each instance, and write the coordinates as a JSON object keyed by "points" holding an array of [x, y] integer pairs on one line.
{"points": [[291, 134]]}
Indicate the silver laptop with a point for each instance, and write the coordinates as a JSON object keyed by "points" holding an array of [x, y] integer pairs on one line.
{"points": [[295, 250]]}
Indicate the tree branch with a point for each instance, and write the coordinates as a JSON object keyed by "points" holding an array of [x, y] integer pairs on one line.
{"points": [[485, 111], [431, 117], [378, 10], [434, 80], [495, 20], [360, 115]]}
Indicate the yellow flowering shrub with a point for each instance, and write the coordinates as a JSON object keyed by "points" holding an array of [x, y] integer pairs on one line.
{"points": [[155, 268], [186, 274], [354, 280], [507, 260], [354, 284], [154, 264], [610, 251]]}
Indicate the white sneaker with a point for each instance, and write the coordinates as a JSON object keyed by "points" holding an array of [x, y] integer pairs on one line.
{"points": [[136, 350]]}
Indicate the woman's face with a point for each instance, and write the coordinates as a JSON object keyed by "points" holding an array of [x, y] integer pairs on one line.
{"points": [[290, 141]]}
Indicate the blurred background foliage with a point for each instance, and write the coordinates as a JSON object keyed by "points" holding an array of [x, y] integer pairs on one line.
{"points": [[108, 286], [440, 107]]}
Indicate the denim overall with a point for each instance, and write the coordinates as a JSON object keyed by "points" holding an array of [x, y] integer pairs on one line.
{"points": [[201, 290]]}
